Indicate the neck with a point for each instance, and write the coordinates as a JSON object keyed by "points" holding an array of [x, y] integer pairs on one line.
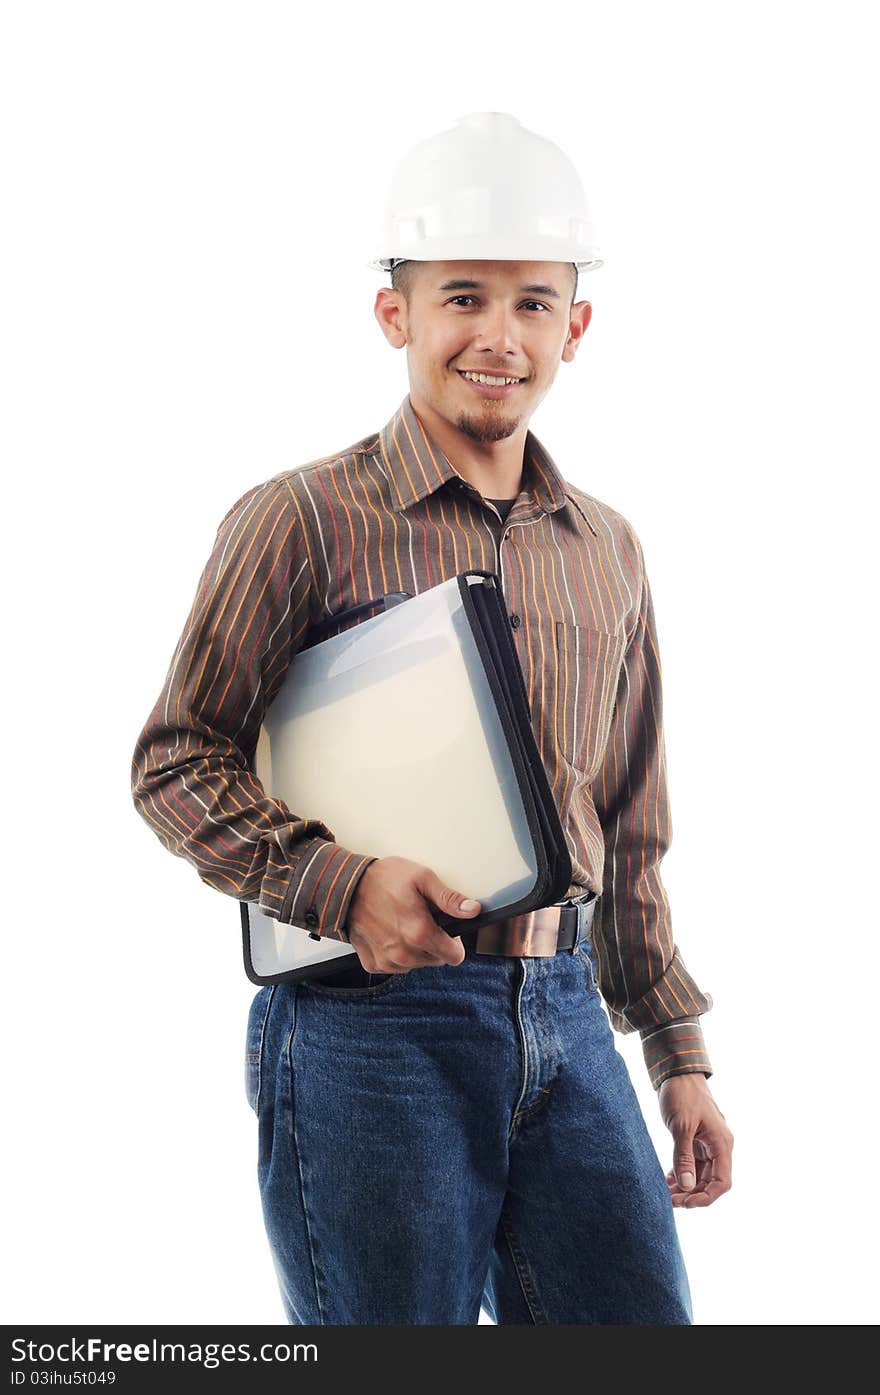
{"points": [[495, 468]]}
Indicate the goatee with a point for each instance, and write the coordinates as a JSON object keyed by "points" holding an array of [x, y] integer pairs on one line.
{"points": [[485, 429]]}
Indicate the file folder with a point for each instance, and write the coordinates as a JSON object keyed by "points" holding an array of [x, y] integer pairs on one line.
{"points": [[409, 734]]}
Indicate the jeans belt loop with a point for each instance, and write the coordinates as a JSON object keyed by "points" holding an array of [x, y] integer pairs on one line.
{"points": [[586, 911]]}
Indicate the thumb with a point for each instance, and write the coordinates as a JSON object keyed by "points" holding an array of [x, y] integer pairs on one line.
{"points": [[444, 898], [683, 1163]]}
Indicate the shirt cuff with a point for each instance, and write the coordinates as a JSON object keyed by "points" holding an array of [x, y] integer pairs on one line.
{"points": [[675, 1048], [322, 883]]}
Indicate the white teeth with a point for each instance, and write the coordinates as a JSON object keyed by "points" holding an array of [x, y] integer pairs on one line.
{"points": [[492, 382]]}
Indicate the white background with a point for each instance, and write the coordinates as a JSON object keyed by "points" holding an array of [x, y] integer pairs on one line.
{"points": [[190, 192]]}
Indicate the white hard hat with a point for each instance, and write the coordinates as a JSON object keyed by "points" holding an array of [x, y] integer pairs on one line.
{"points": [[488, 189]]}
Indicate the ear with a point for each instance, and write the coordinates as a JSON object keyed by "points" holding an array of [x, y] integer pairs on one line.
{"points": [[581, 314], [390, 311]]}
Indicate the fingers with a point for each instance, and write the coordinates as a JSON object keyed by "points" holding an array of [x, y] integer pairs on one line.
{"points": [[703, 1145], [432, 949], [702, 1194], [429, 947], [437, 948], [684, 1164], [713, 1165], [415, 960], [411, 939], [444, 897]]}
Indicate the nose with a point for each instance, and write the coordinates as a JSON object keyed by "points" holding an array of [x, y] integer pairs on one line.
{"points": [[497, 333]]}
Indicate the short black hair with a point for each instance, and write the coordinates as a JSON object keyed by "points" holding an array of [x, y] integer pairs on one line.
{"points": [[402, 279]]}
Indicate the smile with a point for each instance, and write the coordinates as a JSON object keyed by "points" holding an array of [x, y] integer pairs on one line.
{"points": [[488, 385]]}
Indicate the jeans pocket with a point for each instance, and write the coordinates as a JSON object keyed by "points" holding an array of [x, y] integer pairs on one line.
{"points": [[253, 1058], [373, 985]]}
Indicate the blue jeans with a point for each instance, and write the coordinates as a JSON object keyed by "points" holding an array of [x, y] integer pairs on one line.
{"points": [[455, 1137]]}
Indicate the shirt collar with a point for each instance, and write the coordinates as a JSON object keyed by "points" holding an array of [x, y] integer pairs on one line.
{"points": [[417, 466]]}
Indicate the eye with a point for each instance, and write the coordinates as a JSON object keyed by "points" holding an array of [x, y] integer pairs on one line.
{"points": [[525, 302]]}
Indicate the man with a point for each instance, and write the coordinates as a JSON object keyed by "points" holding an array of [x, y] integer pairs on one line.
{"points": [[447, 1123]]}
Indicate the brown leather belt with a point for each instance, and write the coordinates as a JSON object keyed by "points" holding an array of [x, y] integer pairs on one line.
{"points": [[540, 933], [535, 934]]}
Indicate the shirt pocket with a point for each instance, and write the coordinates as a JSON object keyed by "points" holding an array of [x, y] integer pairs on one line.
{"points": [[588, 670]]}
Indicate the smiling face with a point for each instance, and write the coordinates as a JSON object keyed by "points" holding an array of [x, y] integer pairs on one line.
{"points": [[507, 319]]}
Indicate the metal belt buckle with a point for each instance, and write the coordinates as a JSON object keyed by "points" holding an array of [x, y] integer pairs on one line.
{"points": [[535, 934]]}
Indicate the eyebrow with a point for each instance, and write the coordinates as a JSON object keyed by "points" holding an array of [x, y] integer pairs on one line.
{"points": [[479, 286]]}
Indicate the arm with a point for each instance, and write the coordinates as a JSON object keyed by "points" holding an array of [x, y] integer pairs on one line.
{"points": [[643, 977], [190, 773]]}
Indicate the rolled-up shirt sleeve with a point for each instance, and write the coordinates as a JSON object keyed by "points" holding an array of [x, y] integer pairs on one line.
{"points": [[642, 975], [191, 772]]}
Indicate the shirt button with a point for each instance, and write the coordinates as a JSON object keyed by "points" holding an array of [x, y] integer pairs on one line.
{"points": [[311, 916], [515, 620]]}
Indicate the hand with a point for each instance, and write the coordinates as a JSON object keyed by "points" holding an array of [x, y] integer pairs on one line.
{"points": [[390, 923], [702, 1157]]}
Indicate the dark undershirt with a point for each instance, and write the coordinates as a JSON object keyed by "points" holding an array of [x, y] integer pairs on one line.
{"points": [[503, 506]]}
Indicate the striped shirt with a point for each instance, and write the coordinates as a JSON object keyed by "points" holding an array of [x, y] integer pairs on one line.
{"points": [[391, 513]]}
